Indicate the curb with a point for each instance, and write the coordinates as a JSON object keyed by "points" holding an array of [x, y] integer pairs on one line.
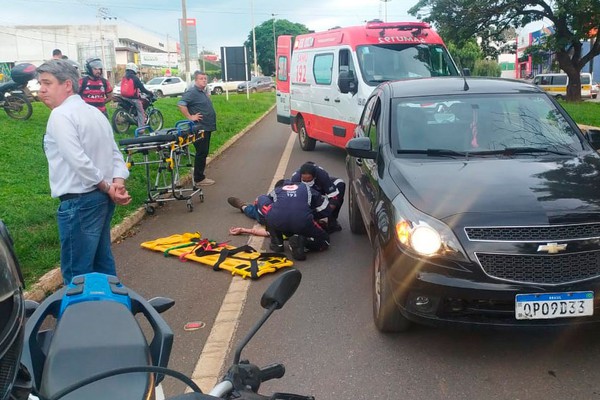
{"points": [[52, 280]]}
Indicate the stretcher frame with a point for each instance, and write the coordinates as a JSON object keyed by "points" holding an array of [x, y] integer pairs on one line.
{"points": [[168, 150]]}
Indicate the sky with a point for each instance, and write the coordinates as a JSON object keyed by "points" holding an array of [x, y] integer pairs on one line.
{"points": [[219, 22]]}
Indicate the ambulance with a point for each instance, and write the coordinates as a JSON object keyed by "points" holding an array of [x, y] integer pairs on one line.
{"points": [[325, 78]]}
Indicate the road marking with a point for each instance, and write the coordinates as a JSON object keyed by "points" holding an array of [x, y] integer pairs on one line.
{"points": [[210, 366]]}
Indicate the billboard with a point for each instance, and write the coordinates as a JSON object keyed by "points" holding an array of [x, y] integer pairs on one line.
{"points": [[158, 59], [190, 25], [233, 64]]}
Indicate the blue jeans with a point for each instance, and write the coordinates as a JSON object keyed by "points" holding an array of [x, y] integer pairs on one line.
{"points": [[251, 212], [84, 231]]}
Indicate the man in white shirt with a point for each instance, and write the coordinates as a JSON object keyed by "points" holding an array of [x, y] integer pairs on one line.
{"points": [[86, 169]]}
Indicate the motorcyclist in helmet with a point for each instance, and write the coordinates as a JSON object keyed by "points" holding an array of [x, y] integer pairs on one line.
{"points": [[131, 71], [15, 381], [93, 88]]}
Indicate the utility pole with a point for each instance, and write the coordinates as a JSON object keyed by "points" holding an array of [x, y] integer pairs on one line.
{"points": [[186, 46], [274, 46], [253, 37], [103, 14]]}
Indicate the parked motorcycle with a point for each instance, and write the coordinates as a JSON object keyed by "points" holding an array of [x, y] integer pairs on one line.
{"points": [[126, 114], [96, 350], [12, 93]]}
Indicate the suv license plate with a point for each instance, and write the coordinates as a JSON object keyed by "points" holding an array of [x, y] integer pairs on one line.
{"points": [[554, 305]]}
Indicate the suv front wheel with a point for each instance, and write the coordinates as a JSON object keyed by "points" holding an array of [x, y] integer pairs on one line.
{"points": [[386, 315]]}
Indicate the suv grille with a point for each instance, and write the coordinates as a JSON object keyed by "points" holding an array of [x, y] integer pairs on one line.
{"points": [[534, 233], [542, 269]]}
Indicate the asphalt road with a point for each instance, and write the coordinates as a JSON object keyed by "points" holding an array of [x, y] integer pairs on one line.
{"points": [[324, 335]]}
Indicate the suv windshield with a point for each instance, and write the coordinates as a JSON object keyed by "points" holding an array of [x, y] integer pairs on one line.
{"points": [[386, 62], [481, 124]]}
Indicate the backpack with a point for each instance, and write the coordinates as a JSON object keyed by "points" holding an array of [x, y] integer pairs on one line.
{"points": [[128, 87]]}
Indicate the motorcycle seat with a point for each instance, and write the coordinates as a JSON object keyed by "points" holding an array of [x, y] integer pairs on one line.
{"points": [[8, 86], [93, 337]]}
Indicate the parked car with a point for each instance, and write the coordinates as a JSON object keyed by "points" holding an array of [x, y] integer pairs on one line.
{"points": [[595, 90], [166, 86], [117, 89], [481, 199], [257, 84], [220, 86]]}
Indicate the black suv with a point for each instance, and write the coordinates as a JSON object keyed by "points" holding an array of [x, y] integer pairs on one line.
{"points": [[481, 199]]}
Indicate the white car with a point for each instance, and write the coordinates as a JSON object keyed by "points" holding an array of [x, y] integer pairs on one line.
{"points": [[166, 86], [595, 89], [219, 87]]}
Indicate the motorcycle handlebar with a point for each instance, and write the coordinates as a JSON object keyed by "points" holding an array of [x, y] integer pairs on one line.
{"points": [[273, 371]]}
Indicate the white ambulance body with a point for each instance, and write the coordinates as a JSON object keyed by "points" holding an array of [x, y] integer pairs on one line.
{"points": [[325, 79]]}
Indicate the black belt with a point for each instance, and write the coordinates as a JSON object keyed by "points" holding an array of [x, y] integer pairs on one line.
{"points": [[71, 196]]}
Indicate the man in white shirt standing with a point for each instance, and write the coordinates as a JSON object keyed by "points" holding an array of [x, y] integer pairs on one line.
{"points": [[86, 169]]}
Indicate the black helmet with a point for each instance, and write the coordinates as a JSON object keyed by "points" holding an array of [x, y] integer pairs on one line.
{"points": [[12, 314], [92, 63]]}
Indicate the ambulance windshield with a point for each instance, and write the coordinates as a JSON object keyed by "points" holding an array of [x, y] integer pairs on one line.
{"points": [[385, 62]]}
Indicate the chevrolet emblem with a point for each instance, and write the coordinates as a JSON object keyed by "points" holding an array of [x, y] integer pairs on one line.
{"points": [[552, 248]]}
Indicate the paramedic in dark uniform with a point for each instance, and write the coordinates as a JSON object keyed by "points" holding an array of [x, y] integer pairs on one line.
{"points": [[334, 188], [195, 105], [292, 215]]}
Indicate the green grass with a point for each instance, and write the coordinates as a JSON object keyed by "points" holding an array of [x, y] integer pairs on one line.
{"points": [[585, 112], [25, 203]]}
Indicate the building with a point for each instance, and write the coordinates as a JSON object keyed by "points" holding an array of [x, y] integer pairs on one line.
{"points": [[116, 44]]}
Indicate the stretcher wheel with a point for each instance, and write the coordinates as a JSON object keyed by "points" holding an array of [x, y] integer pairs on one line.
{"points": [[190, 205], [149, 209], [201, 196]]}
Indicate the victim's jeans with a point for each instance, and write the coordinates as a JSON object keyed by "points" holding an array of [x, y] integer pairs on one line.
{"points": [[84, 231]]}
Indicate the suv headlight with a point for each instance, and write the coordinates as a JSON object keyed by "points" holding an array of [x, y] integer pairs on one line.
{"points": [[424, 235]]}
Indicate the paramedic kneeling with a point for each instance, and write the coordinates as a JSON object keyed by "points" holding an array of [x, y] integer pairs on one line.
{"points": [[86, 170], [291, 214]]}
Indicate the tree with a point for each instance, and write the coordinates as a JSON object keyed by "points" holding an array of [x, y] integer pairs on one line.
{"points": [[465, 54], [487, 68], [573, 21], [265, 43]]}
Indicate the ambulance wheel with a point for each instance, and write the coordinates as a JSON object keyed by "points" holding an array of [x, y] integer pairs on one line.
{"points": [[149, 210], [306, 143]]}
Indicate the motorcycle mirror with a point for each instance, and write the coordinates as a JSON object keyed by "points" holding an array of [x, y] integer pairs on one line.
{"points": [[282, 289], [276, 295], [161, 304], [30, 307]]}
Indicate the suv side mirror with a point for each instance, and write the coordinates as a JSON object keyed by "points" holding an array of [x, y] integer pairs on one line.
{"points": [[347, 82], [593, 136], [361, 148], [466, 72]]}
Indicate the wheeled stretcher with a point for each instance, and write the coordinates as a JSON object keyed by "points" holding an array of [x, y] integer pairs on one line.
{"points": [[165, 155]]}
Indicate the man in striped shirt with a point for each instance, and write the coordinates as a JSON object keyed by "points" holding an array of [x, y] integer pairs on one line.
{"points": [[93, 88]]}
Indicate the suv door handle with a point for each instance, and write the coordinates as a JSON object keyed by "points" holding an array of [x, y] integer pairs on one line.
{"points": [[326, 99], [337, 100]]}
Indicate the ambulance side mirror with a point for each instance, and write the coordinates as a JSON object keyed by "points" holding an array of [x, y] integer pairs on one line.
{"points": [[347, 82]]}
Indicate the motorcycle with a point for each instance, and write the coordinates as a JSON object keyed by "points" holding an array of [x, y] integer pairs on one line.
{"points": [[126, 114], [96, 350], [13, 98]]}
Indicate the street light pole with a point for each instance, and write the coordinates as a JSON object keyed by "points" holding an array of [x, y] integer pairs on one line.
{"points": [[253, 38], [186, 46], [274, 46]]}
